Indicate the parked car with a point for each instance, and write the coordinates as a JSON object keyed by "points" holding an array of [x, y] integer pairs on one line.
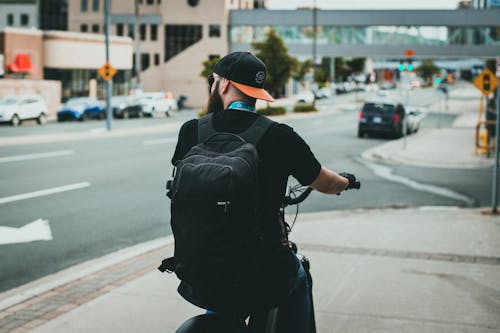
{"points": [[305, 96], [15, 109], [125, 107], [81, 108], [414, 119], [387, 117], [157, 103]]}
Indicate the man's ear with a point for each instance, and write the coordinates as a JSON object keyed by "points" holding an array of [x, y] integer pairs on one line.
{"points": [[225, 85]]}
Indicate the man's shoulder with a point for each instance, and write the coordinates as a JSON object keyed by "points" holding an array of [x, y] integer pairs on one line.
{"points": [[189, 125]]}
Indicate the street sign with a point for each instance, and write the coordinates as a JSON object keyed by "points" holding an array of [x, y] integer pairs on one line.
{"points": [[486, 82], [107, 71], [409, 52]]}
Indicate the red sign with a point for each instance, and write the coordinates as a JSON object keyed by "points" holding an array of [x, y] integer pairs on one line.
{"points": [[22, 63], [409, 53]]}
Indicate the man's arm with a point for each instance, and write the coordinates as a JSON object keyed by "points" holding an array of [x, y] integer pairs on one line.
{"points": [[329, 182]]}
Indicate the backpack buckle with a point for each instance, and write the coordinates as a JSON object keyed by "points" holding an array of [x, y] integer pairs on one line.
{"points": [[223, 203]]}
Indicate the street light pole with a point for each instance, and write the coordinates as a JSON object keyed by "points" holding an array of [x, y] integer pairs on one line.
{"points": [[136, 45], [315, 26], [494, 200], [108, 82]]}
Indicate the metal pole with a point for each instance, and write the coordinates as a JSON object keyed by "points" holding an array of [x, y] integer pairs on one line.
{"points": [[315, 24], [405, 119], [136, 45], [494, 199], [108, 82]]}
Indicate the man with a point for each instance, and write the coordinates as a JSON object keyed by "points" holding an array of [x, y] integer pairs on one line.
{"points": [[235, 85]]}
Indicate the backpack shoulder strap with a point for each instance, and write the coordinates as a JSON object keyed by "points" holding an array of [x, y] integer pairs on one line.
{"points": [[256, 131], [205, 128], [253, 134]]}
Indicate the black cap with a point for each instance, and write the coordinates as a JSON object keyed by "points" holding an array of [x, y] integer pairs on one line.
{"points": [[246, 72]]}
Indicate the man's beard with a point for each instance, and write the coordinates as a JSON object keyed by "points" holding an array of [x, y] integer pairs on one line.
{"points": [[215, 101]]}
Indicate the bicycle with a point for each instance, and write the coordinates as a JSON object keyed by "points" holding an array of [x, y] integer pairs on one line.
{"points": [[266, 320]]}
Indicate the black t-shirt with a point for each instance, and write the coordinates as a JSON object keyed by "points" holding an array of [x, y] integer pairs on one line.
{"points": [[282, 153]]}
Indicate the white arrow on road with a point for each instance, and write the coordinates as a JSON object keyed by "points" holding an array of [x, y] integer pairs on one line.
{"points": [[34, 231]]}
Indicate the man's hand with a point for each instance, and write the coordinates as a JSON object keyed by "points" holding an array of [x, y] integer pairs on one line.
{"points": [[353, 183]]}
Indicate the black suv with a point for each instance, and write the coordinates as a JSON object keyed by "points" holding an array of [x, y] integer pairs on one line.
{"points": [[381, 118]]}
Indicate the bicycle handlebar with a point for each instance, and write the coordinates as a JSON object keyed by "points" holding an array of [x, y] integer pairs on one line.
{"points": [[293, 201]]}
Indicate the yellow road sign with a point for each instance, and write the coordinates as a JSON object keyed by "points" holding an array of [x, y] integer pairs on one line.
{"points": [[486, 82], [107, 71]]}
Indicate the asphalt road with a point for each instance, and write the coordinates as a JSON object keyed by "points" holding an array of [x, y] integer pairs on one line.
{"points": [[120, 200]]}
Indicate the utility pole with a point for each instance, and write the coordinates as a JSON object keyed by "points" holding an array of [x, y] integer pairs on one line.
{"points": [[138, 85], [494, 199], [315, 31], [110, 81]]}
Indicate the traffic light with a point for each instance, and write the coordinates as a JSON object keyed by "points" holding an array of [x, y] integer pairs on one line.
{"points": [[486, 82], [410, 65], [401, 67], [437, 79]]}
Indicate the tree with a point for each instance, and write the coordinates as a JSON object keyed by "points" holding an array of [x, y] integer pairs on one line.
{"points": [[280, 66], [342, 70], [427, 69], [357, 65], [302, 69], [322, 72], [208, 66]]}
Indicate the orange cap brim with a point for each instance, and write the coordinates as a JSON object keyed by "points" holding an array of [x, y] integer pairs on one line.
{"points": [[258, 93]]}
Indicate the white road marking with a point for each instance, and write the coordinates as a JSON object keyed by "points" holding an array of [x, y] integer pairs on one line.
{"points": [[386, 173], [98, 130], [159, 141], [44, 192], [34, 231], [35, 156]]}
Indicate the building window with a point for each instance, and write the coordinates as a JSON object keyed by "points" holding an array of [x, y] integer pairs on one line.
{"points": [[131, 31], [143, 31], [10, 19], [84, 4], [95, 28], [159, 2], [154, 32], [95, 5], [83, 27], [157, 59], [193, 3], [178, 37], [53, 14], [119, 29], [25, 19], [150, 2], [214, 30], [144, 61]]}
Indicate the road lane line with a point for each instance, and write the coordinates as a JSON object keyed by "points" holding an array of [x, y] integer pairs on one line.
{"points": [[44, 192], [386, 173], [159, 141], [35, 156]]}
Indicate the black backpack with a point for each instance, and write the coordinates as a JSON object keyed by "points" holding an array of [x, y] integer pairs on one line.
{"points": [[216, 214]]}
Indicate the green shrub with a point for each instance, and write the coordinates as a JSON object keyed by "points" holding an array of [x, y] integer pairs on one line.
{"points": [[304, 107], [272, 111]]}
